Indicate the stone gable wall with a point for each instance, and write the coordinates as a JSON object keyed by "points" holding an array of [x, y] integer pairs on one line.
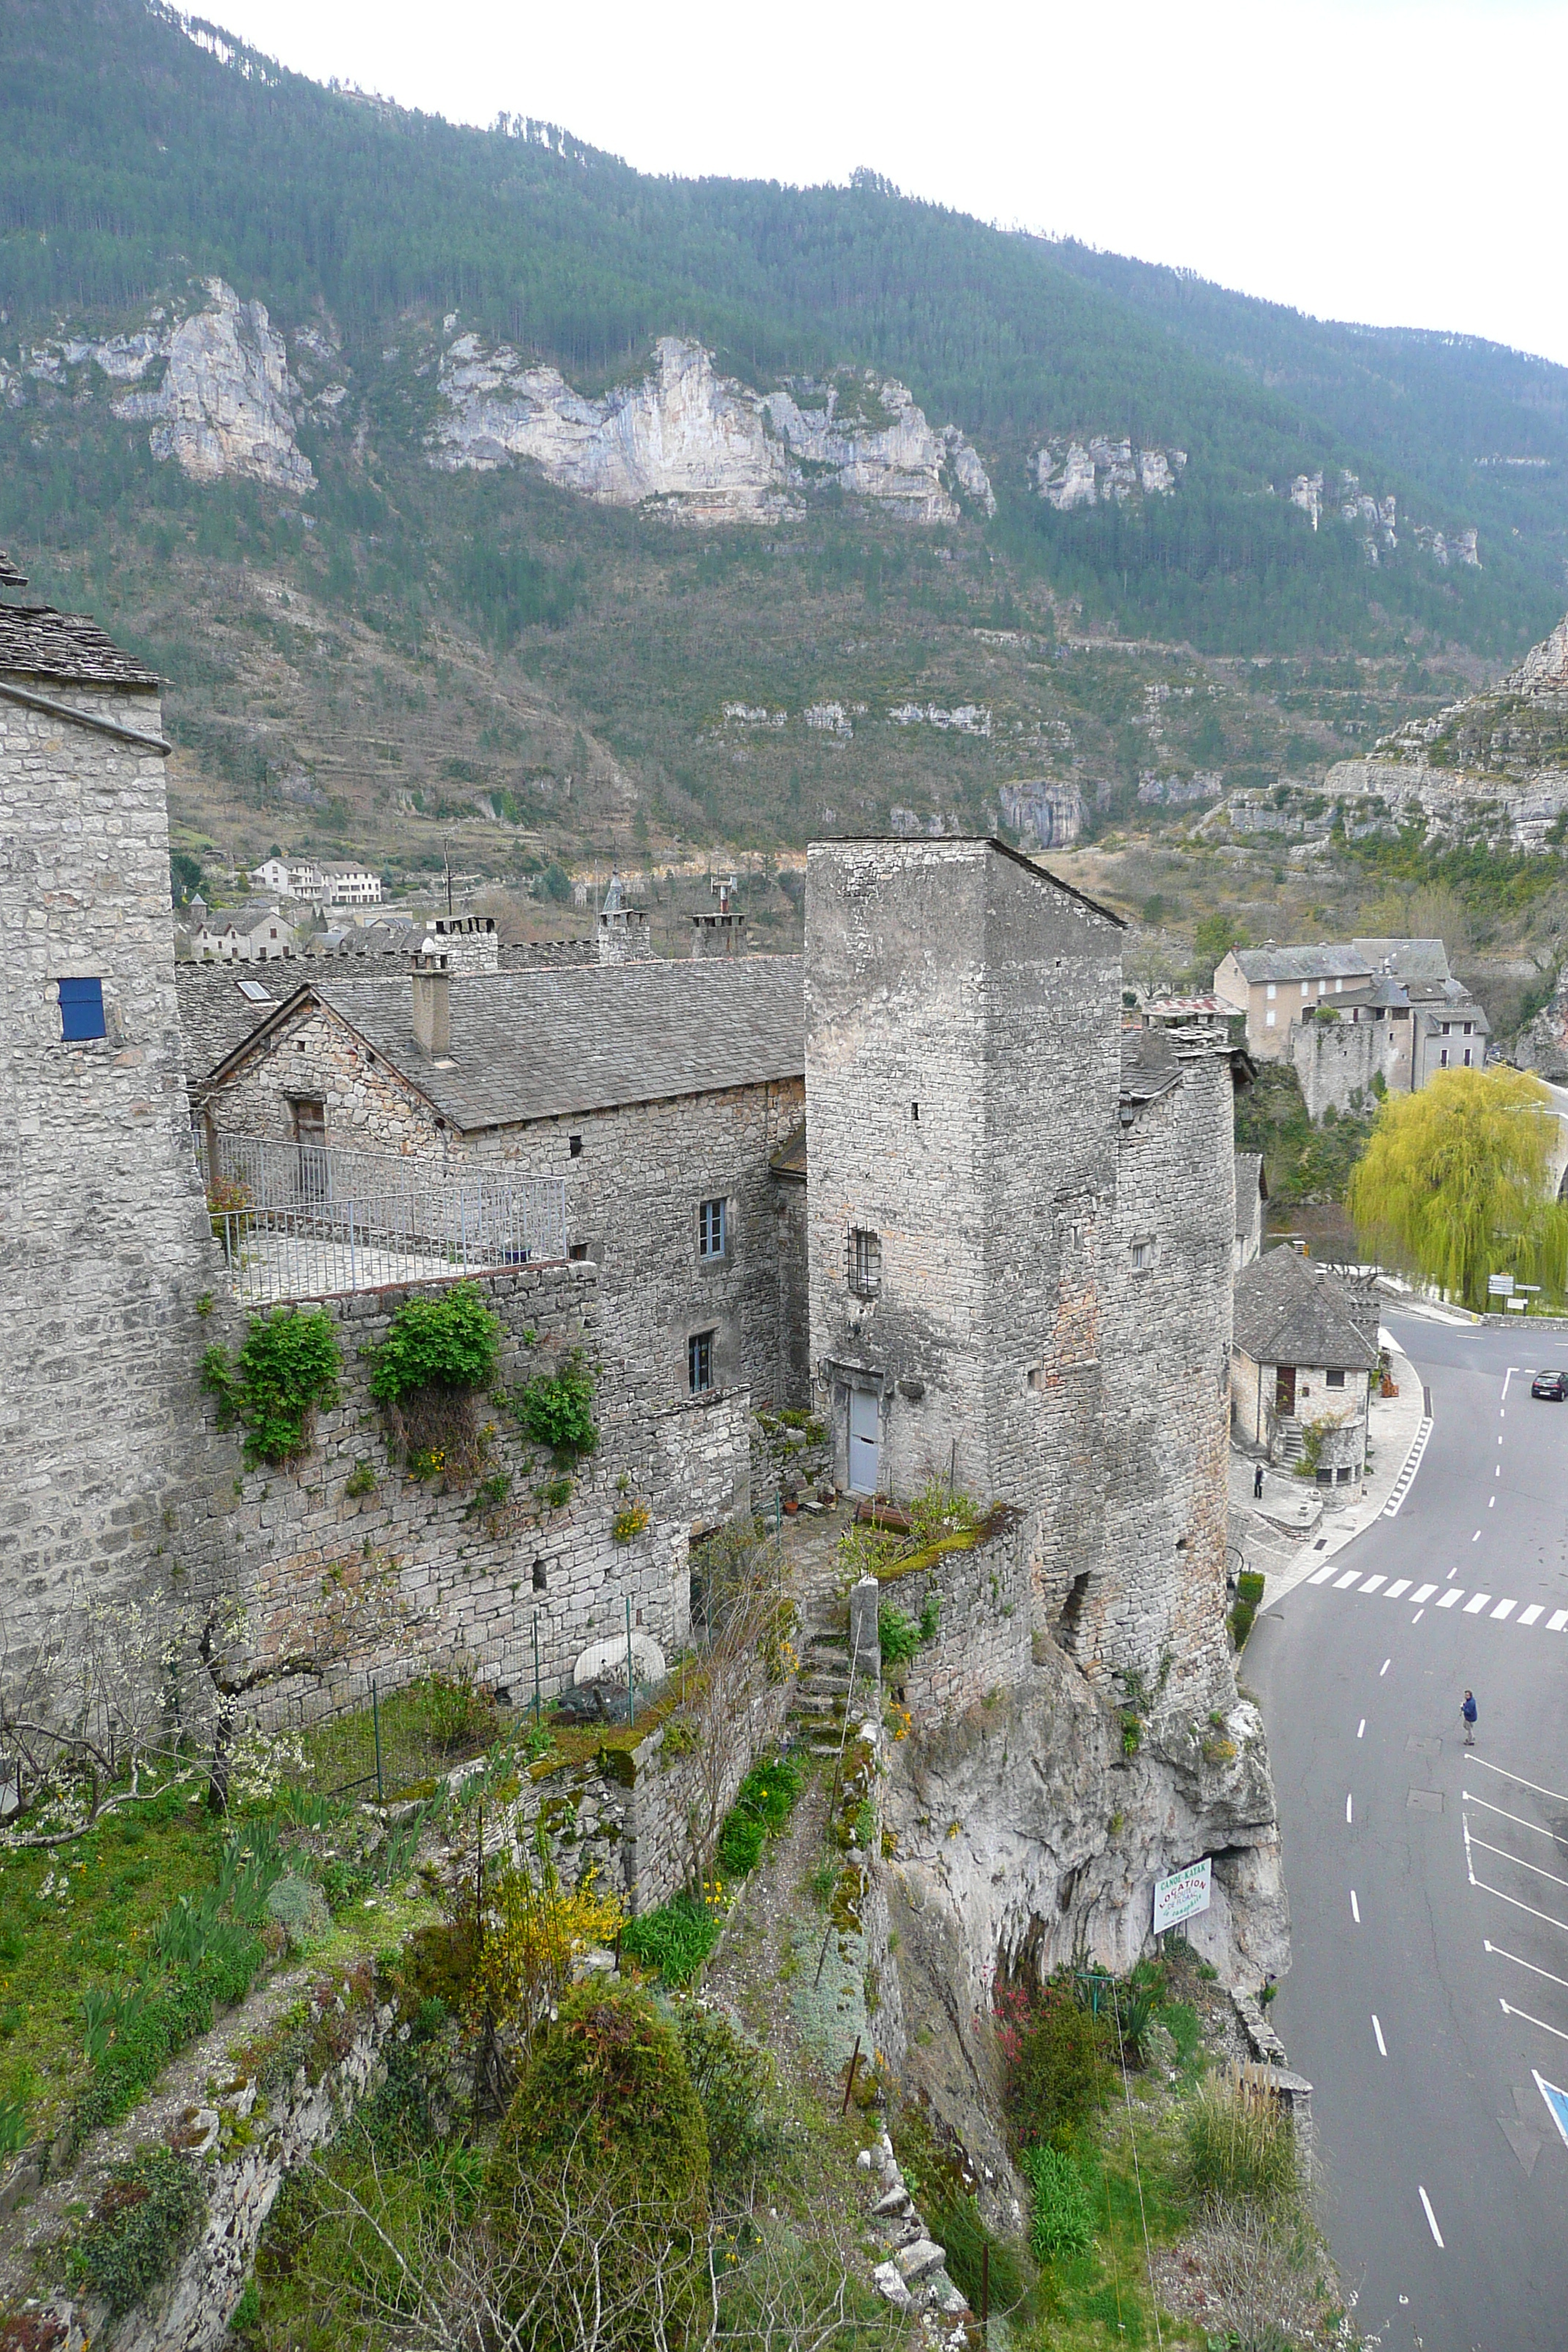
{"points": [[1335, 1059], [633, 1191], [104, 1244]]}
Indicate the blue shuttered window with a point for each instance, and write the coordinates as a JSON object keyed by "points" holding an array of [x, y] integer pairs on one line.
{"points": [[81, 1009]]}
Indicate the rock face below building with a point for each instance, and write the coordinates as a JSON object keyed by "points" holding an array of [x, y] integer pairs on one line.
{"points": [[711, 448], [1503, 753]]}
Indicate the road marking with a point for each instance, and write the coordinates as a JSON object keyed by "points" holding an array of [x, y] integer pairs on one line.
{"points": [[1519, 1864], [1505, 1609], [1527, 1616], [1514, 1903], [1361, 1729], [1499, 1440], [1423, 1592], [1381, 2044], [1406, 1477], [1418, 1616], [1498, 1472], [1504, 1774], [1491, 1502], [1517, 1818], [1347, 1809], [1558, 1618], [1322, 1575], [1498, 1952], [1474, 1539], [1477, 1601], [1401, 1584], [1506, 1378], [1509, 2010], [1355, 1908], [1373, 1582], [1384, 1668], [1431, 2217], [1348, 1578], [1450, 1598], [1556, 2103]]}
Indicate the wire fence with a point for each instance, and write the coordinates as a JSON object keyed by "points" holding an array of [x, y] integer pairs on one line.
{"points": [[307, 1220]]}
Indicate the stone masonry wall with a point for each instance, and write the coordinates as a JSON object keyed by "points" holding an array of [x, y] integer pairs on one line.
{"points": [[1336, 1059], [983, 1642], [633, 1189], [104, 1246], [388, 1583]]}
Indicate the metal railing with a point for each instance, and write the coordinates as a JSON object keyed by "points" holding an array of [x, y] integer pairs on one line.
{"points": [[306, 1219]]}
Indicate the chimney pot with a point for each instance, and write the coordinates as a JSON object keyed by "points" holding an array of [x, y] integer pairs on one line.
{"points": [[433, 1010]]}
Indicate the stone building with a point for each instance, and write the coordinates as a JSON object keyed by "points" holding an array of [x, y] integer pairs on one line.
{"points": [[1251, 1207], [1379, 1013], [1305, 1351], [105, 1247], [1021, 1224], [1273, 986], [659, 1090]]}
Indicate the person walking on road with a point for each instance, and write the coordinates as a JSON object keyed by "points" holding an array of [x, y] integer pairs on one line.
{"points": [[1257, 1484], [1469, 1711]]}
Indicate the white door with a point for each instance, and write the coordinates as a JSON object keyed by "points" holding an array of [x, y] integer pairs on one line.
{"points": [[863, 1411]]}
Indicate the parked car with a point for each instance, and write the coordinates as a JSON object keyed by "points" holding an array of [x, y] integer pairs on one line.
{"points": [[1550, 1384]]}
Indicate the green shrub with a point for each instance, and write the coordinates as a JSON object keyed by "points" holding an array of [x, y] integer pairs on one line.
{"points": [[674, 1939], [299, 1906], [287, 1371], [955, 2224], [456, 1709], [1058, 2073], [246, 2310], [1237, 2148], [606, 2086], [732, 2076], [898, 1636], [145, 2218], [770, 1791], [1248, 1599], [451, 1342], [438, 1962], [13, 2125], [741, 1842], [1062, 2222], [557, 1410]]}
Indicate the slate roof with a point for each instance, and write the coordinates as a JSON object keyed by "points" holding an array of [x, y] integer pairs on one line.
{"points": [[1150, 1068], [1251, 1182], [1286, 1313], [37, 642], [1303, 963], [546, 1045], [1405, 959], [789, 1160], [9, 575], [216, 1016]]}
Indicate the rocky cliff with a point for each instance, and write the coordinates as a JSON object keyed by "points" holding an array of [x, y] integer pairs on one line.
{"points": [[1498, 758], [709, 448], [1102, 469]]}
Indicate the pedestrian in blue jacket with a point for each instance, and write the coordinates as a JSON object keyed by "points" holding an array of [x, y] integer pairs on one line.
{"points": [[1469, 1711]]}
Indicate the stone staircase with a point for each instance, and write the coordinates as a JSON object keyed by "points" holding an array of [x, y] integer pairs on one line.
{"points": [[822, 1644], [1295, 1444]]}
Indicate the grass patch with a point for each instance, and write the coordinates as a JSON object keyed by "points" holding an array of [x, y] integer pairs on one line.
{"points": [[676, 1938]]}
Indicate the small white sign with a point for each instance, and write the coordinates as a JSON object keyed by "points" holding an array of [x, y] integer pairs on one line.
{"points": [[1500, 1286], [1182, 1896]]}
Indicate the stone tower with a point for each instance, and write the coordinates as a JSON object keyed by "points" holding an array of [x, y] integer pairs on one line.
{"points": [[105, 1247]]}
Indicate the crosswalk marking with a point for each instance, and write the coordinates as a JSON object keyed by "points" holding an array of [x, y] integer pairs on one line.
{"points": [[1505, 1609], [1558, 1618], [1477, 1601], [1422, 1595], [1322, 1575], [1401, 1584], [1373, 1582], [1351, 1577], [1449, 1599], [1527, 1616]]}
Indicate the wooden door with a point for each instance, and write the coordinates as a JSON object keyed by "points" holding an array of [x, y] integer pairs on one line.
{"points": [[1285, 1390]]}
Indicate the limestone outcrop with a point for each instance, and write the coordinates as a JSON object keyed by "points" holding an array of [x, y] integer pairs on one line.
{"points": [[1043, 812], [225, 405], [1101, 469], [708, 448], [1500, 757]]}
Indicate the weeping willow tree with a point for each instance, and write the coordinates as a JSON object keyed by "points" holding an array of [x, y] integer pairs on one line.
{"points": [[1456, 1184]]}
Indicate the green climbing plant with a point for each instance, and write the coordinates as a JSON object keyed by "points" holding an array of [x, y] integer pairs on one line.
{"points": [[286, 1372]]}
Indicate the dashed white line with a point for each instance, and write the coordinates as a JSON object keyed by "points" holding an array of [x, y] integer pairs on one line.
{"points": [[1431, 2217], [1474, 1539], [1491, 1502], [1384, 1668], [1418, 1616], [1361, 1729], [1381, 2044], [1355, 1908], [1347, 1809]]}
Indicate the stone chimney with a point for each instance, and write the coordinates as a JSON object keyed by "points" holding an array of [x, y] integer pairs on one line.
{"points": [[432, 1010], [623, 933], [718, 935]]}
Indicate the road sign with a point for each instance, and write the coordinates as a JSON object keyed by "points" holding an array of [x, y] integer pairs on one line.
{"points": [[1500, 1286], [1182, 1896]]}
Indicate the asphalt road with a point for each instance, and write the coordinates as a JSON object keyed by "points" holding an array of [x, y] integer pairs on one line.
{"points": [[1427, 1999]]}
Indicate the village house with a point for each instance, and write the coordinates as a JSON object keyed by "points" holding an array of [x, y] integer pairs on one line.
{"points": [[320, 884], [1381, 1014], [253, 933], [1305, 1350], [1273, 986]]}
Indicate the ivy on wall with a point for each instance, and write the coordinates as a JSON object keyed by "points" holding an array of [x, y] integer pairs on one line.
{"points": [[286, 1372]]}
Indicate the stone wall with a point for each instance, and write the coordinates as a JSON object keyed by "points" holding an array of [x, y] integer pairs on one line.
{"points": [[982, 1640], [632, 1190], [104, 1244], [389, 1583], [1335, 1060]]}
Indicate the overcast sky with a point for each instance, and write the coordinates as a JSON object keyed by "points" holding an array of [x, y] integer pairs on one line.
{"points": [[1373, 160]]}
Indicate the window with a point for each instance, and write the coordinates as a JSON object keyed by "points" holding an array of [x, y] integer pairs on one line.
{"points": [[699, 1362], [252, 991], [1268, 1020], [1337, 985], [1306, 987], [712, 1233], [1143, 1257], [1334, 1379], [1442, 1059], [539, 1580], [1325, 1478], [915, 1111], [81, 1009], [574, 1147], [1466, 1057], [1342, 1474], [1446, 1027], [865, 1262], [577, 1252], [1272, 992], [1469, 1028]]}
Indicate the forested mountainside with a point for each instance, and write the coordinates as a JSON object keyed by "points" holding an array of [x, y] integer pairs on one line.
{"points": [[446, 569]]}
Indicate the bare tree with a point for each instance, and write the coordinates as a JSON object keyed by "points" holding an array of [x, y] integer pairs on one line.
{"points": [[1269, 2272]]}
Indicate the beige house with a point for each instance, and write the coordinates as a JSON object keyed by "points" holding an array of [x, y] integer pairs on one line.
{"points": [[256, 933], [1275, 986], [1303, 1353]]}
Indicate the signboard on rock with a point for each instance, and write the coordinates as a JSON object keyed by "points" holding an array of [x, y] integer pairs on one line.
{"points": [[1183, 1895]]}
